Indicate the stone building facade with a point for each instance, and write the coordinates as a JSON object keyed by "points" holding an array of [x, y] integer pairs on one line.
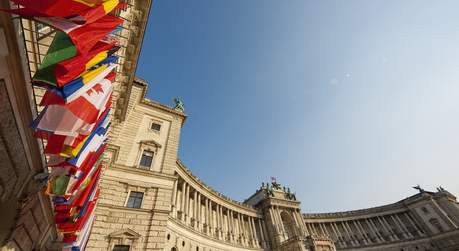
{"points": [[151, 201]]}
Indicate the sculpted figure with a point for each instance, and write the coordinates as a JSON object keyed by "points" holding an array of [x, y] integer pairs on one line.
{"points": [[179, 106]]}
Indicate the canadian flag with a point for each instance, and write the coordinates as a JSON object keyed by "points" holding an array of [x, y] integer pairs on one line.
{"points": [[80, 115]]}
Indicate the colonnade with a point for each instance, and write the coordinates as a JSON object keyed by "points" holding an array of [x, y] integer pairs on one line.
{"points": [[208, 217], [368, 230]]}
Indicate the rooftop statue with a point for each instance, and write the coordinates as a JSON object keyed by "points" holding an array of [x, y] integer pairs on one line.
{"points": [[179, 105], [418, 187], [276, 185]]}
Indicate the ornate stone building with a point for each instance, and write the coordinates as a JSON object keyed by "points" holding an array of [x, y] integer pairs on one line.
{"points": [[151, 201]]}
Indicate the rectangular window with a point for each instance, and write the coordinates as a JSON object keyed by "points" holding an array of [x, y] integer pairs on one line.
{"points": [[135, 200], [146, 160], [121, 248], [155, 127]]}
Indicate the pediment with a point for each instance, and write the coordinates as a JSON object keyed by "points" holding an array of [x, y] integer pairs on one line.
{"points": [[125, 233], [150, 143]]}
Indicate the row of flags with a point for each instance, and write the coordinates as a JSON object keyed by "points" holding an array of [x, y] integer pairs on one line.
{"points": [[78, 73]]}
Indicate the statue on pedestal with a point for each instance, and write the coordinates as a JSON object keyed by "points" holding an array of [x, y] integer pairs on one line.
{"points": [[179, 105]]}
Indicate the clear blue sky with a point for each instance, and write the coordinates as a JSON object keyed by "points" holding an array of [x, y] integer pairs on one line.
{"points": [[350, 103]]}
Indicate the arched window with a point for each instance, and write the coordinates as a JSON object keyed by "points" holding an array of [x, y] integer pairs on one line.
{"points": [[173, 249], [289, 224]]}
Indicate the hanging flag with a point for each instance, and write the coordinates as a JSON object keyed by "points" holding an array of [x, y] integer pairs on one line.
{"points": [[56, 144], [89, 148], [60, 49], [57, 119], [65, 68], [55, 96], [60, 8], [73, 68], [83, 36], [95, 13], [76, 11], [89, 105], [78, 72]]}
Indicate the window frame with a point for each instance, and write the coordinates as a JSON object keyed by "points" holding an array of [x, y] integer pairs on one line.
{"points": [[154, 122], [143, 167], [121, 245], [129, 196]]}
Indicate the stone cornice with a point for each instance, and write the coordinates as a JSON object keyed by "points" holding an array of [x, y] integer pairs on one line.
{"points": [[133, 57], [399, 206], [281, 203], [151, 143], [137, 210], [135, 170], [190, 178]]}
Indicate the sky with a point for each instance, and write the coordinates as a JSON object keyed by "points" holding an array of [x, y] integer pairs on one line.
{"points": [[348, 103]]}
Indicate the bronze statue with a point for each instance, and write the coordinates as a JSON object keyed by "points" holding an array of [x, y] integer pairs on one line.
{"points": [[179, 106], [418, 187]]}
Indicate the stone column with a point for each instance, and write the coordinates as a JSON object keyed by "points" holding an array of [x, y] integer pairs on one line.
{"points": [[182, 201], [339, 234], [402, 225], [281, 223], [390, 229], [265, 234], [335, 232], [375, 230], [227, 230], [324, 231], [414, 224], [206, 214], [222, 218], [211, 218], [255, 235], [199, 214], [385, 228], [313, 225], [297, 224], [263, 244], [309, 229], [300, 221], [353, 240], [274, 222], [361, 231], [195, 209], [244, 230], [174, 199], [187, 205], [248, 231], [240, 228], [253, 232], [367, 236], [231, 221], [219, 221], [305, 229], [343, 223], [372, 230]]}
